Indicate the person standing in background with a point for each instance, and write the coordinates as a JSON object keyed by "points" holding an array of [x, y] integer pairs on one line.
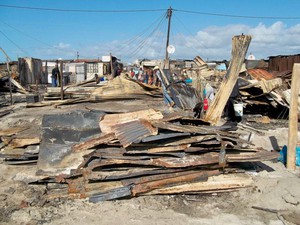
{"points": [[55, 75]]}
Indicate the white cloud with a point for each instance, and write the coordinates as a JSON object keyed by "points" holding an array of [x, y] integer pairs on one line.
{"points": [[213, 42], [62, 45]]}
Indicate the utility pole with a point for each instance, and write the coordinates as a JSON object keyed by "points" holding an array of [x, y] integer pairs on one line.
{"points": [[169, 15], [9, 74]]}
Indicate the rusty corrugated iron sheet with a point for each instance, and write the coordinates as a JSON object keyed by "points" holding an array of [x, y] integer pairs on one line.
{"points": [[132, 131], [259, 74], [283, 62]]}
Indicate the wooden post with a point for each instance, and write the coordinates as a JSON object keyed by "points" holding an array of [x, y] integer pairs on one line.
{"points": [[61, 81], [240, 46], [9, 74], [293, 118], [111, 65]]}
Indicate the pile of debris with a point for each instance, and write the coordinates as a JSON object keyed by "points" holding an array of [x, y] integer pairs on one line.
{"points": [[110, 156], [20, 145]]}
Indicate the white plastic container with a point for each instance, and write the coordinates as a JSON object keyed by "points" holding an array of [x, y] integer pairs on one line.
{"points": [[238, 109]]}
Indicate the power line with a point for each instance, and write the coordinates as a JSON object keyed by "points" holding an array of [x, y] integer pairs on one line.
{"points": [[25, 34], [142, 42], [238, 16], [149, 10], [83, 10], [13, 42], [185, 27]]}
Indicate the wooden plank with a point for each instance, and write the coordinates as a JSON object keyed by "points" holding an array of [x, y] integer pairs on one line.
{"points": [[111, 120], [190, 160], [12, 130], [293, 118], [214, 183], [149, 186], [18, 85], [21, 142], [168, 148], [252, 156], [92, 142], [240, 46]]}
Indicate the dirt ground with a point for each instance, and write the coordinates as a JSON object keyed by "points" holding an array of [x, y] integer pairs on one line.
{"points": [[24, 204]]}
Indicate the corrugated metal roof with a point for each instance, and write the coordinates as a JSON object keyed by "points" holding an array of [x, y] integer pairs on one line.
{"points": [[133, 131], [283, 62], [259, 74]]}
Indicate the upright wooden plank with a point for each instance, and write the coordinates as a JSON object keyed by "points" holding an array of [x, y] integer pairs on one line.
{"points": [[240, 46], [293, 118]]}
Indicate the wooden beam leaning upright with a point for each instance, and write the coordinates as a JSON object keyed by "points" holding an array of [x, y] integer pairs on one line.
{"points": [[240, 46], [293, 118]]}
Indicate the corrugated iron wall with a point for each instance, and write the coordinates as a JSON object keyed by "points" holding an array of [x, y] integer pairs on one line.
{"points": [[283, 63]]}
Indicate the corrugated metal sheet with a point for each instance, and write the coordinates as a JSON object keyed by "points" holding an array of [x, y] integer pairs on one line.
{"points": [[132, 131], [283, 62], [259, 74]]}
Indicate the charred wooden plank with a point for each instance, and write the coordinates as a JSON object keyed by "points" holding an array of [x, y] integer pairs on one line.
{"points": [[191, 160]]}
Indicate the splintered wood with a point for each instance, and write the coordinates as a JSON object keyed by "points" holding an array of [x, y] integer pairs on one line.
{"points": [[141, 153], [240, 46]]}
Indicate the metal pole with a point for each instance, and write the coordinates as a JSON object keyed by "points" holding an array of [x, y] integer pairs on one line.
{"points": [[169, 15], [9, 74]]}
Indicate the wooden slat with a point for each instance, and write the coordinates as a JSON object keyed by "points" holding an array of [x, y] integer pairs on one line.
{"points": [[12, 130], [149, 186], [214, 183], [21, 142], [191, 160]]}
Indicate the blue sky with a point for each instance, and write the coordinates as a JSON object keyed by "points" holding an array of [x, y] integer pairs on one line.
{"points": [[49, 34]]}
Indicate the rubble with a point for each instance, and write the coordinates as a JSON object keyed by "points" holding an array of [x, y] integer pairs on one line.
{"points": [[101, 155]]}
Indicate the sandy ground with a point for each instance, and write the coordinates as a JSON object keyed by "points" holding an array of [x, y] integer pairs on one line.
{"points": [[23, 204]]}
